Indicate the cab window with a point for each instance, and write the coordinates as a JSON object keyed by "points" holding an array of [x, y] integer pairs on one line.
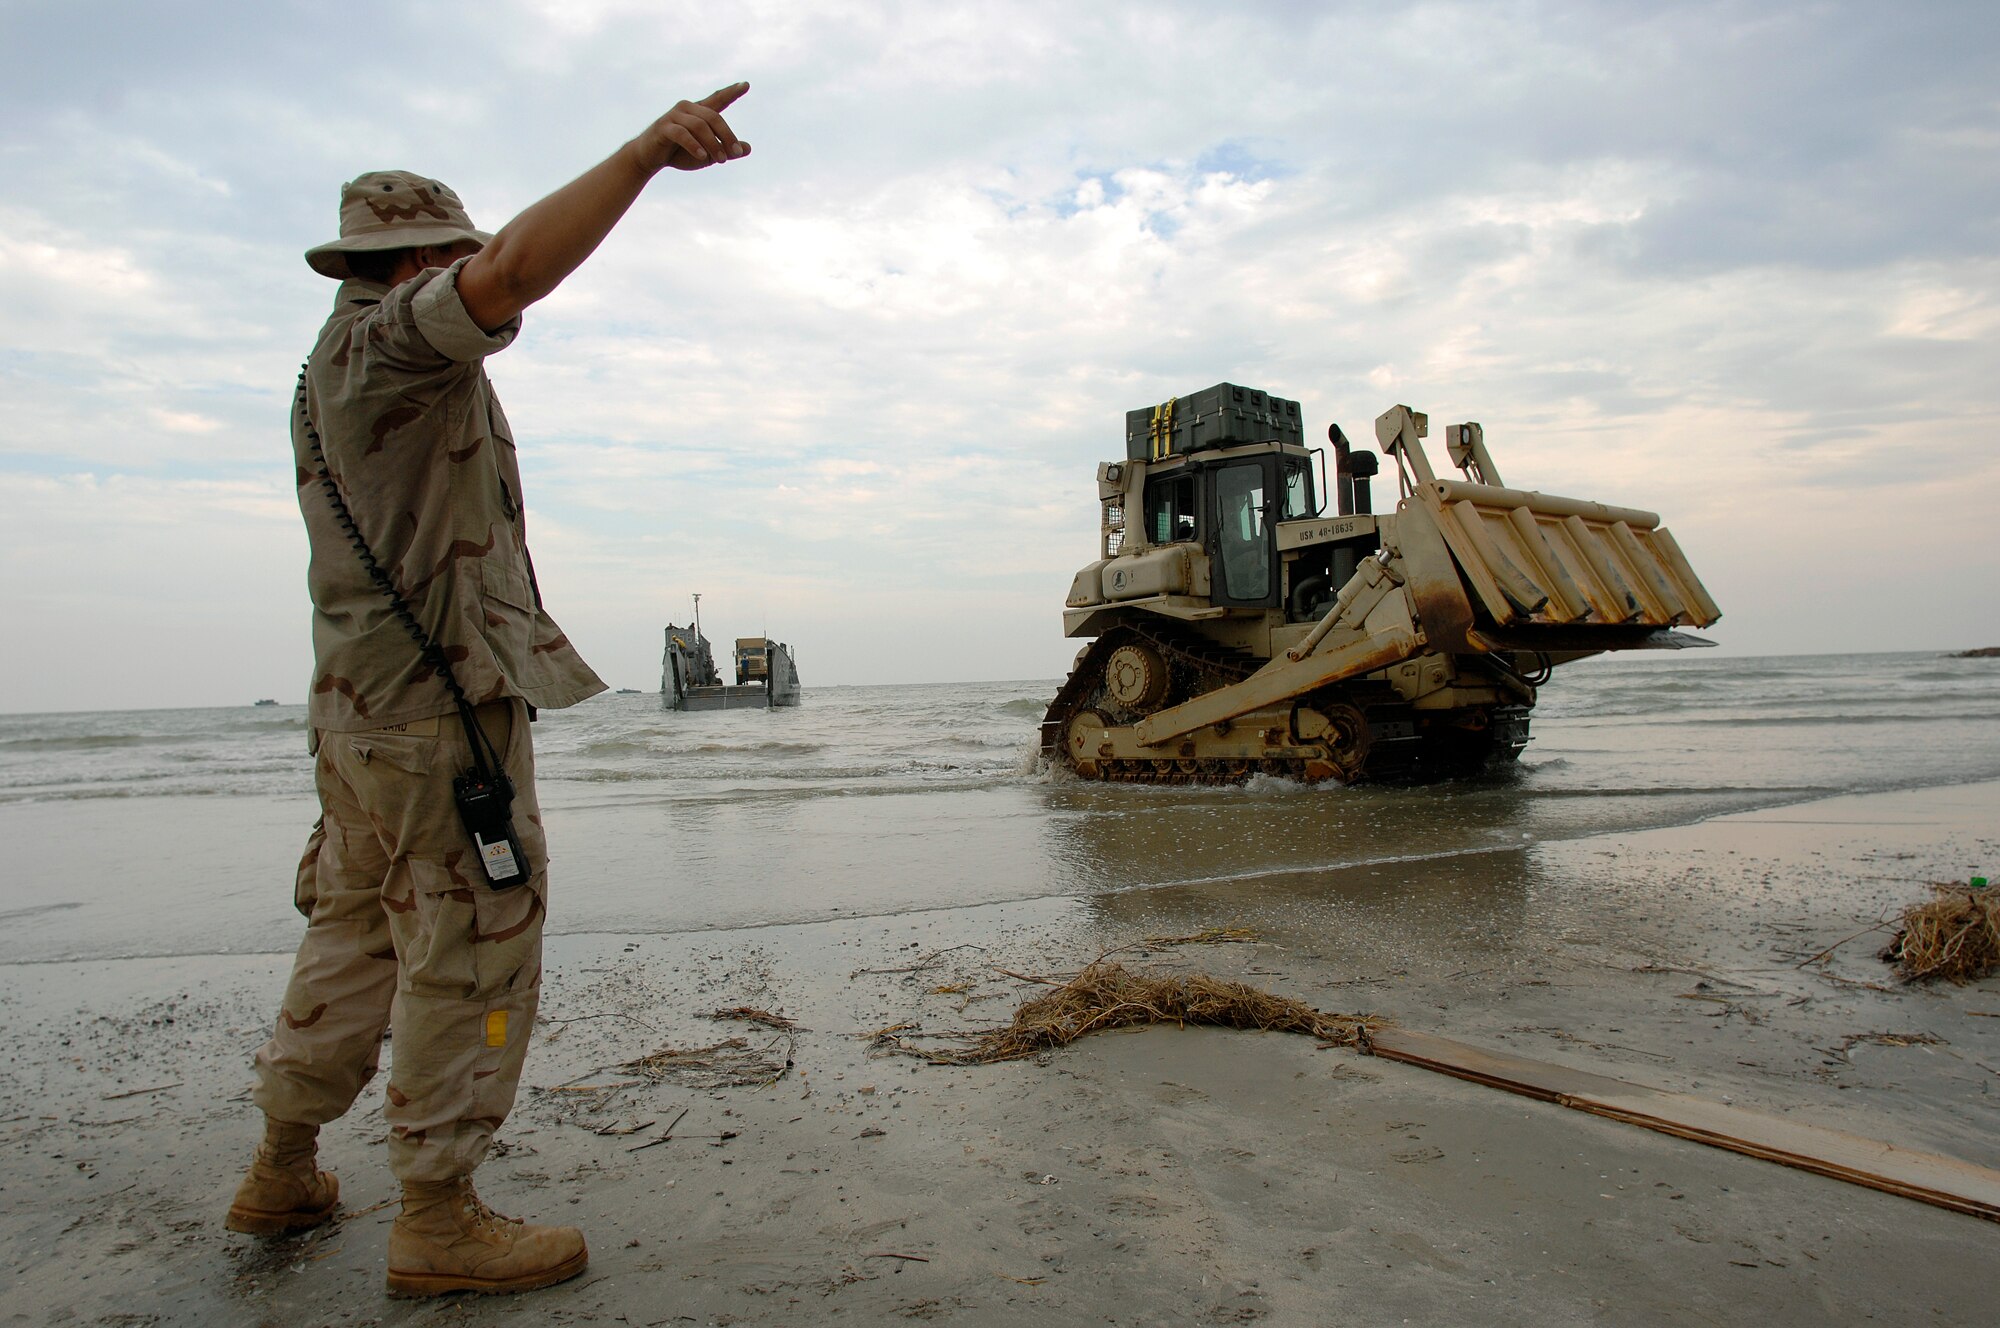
{"points": [[1170, 511], [1245, 552], [1298, 492]]}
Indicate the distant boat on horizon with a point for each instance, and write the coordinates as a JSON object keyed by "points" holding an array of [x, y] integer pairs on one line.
{"points": [[264, 701]]}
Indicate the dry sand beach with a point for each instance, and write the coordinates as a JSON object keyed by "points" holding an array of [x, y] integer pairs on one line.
{"points": [[1163, 1176]]}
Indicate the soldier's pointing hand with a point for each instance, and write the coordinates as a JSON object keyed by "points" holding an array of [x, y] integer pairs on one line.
{"points": [[694, 134]]}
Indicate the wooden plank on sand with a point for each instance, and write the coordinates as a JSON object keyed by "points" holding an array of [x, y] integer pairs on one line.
{"points": [[1929, 1177]]}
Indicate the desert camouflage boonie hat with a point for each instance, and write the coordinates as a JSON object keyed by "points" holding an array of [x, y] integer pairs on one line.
{"points": [[392, 210]]}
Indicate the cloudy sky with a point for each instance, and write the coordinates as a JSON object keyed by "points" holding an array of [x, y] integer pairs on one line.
{"points": [[1738, 263]]}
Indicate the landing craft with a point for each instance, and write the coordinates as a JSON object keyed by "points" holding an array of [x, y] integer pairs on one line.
{"points": [[1240, 629], [765, 674]]}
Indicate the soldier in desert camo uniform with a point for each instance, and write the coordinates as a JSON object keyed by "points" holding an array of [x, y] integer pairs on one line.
{"points": [[403, 925]]}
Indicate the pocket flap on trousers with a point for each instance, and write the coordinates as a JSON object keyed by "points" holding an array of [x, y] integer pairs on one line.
{"points": [[401, 750]]}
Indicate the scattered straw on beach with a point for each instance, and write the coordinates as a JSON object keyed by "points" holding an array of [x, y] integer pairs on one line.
{"points": [[750, 1014], [1108, 995], [1206, 936], [730, 1063], [1956, 935]]}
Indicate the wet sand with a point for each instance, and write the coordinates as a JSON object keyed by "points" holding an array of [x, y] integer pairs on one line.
{"points": [[1156, 1177]]}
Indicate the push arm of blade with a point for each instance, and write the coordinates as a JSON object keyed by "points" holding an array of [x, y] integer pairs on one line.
{"points": [[1278, 682], [1363, 591], [1398, 429], [1466, 444], [1482, 460]]}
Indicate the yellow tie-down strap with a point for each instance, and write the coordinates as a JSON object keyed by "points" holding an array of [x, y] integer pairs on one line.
{"points": [[1162, 432], [1534, 557]]}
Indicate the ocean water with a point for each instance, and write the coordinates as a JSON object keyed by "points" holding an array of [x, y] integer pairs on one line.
{"points": [[174, 831]]}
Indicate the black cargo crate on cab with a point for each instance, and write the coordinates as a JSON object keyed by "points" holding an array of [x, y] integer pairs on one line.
{"points": [[1222, 416]]}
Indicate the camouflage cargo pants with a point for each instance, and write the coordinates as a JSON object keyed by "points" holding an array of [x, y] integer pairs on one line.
{"points": [[402, 929]]}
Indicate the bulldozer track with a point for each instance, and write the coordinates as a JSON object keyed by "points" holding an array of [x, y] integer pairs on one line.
{"points": [[1399, 744], [1196, 665]]}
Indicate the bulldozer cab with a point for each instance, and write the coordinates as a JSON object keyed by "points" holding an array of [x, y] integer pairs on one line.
{"points": [[1229, 506]]}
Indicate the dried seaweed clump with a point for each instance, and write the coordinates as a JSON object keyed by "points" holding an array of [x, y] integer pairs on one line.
{"points": [[1956, 935], [1108, 995]]}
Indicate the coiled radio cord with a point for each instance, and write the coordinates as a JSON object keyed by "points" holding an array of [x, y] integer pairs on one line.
{"points": [[433, 654]]}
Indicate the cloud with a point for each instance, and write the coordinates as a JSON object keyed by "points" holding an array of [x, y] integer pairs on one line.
{"points": [[129, 590], [1734, 261]]}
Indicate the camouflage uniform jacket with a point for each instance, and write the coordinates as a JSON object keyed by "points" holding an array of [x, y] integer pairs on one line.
{"points": [[425, 461]]}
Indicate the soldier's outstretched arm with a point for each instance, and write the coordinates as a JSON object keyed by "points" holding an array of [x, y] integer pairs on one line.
{"points": [[531, 254]]}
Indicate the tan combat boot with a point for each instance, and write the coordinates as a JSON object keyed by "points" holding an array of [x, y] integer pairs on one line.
{"points": [[284, 1191], [447, 1240]]}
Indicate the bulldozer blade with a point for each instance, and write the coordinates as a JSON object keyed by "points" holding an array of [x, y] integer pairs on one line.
{"points": [[1580, 641], [1539, 559], [1667, 640]]}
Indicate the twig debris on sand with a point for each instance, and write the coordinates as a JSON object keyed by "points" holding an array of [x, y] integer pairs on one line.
{"points": [[1108, 995], [730, 1063], [1206, 936], [751, 1015]]}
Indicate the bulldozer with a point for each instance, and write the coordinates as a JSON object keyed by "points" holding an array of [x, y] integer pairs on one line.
{"points": [[1237, 628]]}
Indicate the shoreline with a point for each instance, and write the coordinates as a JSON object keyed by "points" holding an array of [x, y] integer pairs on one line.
{"points": [[1156, 1176], [282, 830]]}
